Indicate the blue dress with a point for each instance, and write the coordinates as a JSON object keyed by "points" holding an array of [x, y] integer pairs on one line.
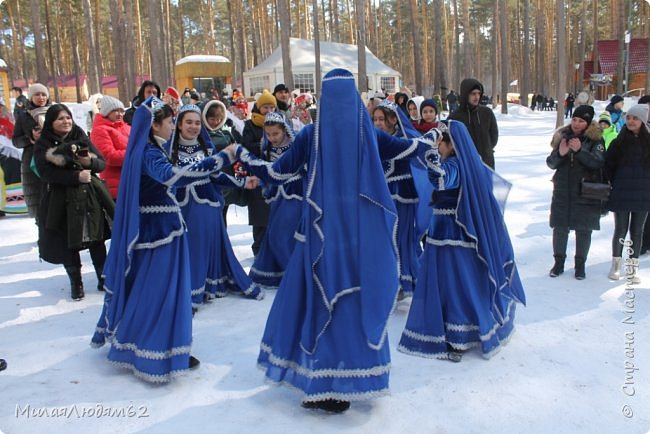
{"points": [[468, 284], [326, 331], [147, 312], [215, 268], [278, 243]]}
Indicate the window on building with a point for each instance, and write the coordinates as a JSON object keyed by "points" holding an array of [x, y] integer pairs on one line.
{"points": [[258, 84], [388, 83], [304, 82]]}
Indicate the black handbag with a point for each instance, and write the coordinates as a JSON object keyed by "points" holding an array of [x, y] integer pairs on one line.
{"points": [[595, 190]]}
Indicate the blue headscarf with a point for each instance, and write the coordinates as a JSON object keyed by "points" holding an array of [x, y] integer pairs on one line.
{"points": [[349, 217], [418, 171], [480, 215], [126, 224]]}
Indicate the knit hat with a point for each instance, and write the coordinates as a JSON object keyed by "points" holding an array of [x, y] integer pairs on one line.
{"points": [[605, 117], [108, 104], [428, 103], [640, 111], [585, 112], [615, 99], [280, 87], [266, 98], [645, 99], [171, 91], [36, 88]]}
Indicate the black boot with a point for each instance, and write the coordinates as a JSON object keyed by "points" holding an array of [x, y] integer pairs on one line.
{"points": [[194, 362], [580, 268], [558, 267], [76, 284], [329, 405], [100, 279]]}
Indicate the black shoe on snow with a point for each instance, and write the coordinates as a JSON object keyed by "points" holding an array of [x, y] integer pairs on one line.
{"points": [[194, 362], [3, 364], [329, 405]]}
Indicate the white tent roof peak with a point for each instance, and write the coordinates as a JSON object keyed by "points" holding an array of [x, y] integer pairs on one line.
{"points": [[332, 54], [203, 58]]}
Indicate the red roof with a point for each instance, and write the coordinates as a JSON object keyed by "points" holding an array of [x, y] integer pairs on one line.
{"points": [[608, 56]]}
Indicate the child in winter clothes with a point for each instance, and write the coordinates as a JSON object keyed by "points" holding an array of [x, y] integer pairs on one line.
{"points": [[609, 130], [428, 116], [615, 108]]}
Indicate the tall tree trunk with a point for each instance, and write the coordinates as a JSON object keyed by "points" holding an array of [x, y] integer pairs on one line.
{"points": [[53, 66], [118, 53], [439, 33], [181, 25], [362, 75], [231, 40], [285, 40], [157, 49], [129, 47], [18, 54], [505, 58], [141, 65], [456, 55], [337, 23], [241, 45], [526, 63], [350, 21], [467, 48], [417, 57], [94, 80], [494, 47], [560, 25], [74, 46], [594, 4], [41, 70], [620, 70], [317, 71], [98, 46], [581, 48]]}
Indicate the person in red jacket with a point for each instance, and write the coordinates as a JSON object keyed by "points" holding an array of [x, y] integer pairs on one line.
{"points": [[110, 134]]}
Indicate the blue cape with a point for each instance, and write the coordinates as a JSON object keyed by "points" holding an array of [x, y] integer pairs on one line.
{"points": [[480, 215], [349, 217]]}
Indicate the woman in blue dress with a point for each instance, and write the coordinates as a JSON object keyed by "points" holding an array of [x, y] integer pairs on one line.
{"points": [[215, 268], [147, 313], [326, 331], [468, 283], [286, 207], [403, 177]]}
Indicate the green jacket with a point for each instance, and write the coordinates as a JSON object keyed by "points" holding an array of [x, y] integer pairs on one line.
{"points": [[609, 134]]}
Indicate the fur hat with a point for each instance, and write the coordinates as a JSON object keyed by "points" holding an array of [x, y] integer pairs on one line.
{"points": [[640, 111], [266, 98], [36, 88], [107, 104], [585, 112], [605, 117], [615, 99]]}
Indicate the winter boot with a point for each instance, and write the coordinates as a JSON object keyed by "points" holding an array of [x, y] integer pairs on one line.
{"points": [[329, 405], [100, 279], [579, 268], [615, 271], [76, 284], [631, 268], [558, 267]]}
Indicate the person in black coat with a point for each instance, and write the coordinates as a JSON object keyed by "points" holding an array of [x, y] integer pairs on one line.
{"points": [[147, 88], [258, 209], [479, 119], [75, 205], [628, 166], [578, 152]]}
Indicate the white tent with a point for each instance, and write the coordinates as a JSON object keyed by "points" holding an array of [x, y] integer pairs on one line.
{"points": [[332, 55]]}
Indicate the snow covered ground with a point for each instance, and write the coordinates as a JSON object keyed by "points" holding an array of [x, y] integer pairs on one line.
{"points": [[579, 361]]}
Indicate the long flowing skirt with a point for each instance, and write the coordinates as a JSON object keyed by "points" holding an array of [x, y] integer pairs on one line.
{"points": [[148, 322], [342, 365], [451, 305], [278, 243], [408, 246], [215, 268]]}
